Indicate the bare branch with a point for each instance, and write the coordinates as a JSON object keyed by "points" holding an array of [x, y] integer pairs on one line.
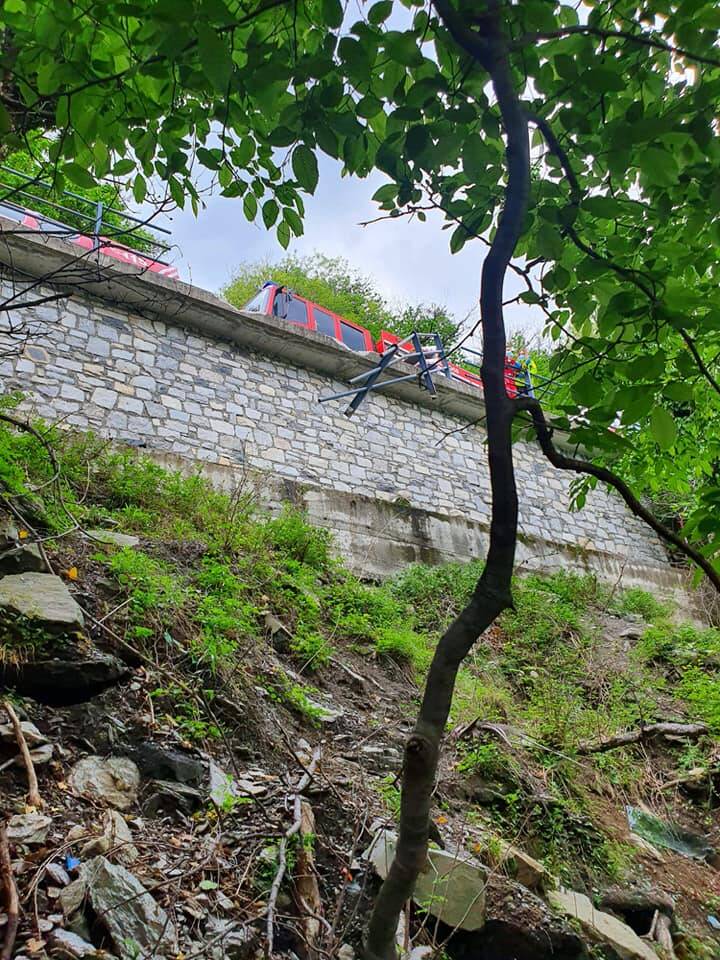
{"points": [[529, 39], [544, 435]]}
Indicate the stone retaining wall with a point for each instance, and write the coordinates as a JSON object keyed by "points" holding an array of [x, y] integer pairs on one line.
{"points": [[165, 384]]}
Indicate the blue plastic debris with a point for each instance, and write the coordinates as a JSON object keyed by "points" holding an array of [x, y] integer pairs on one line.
{"points": [[714, 922]]}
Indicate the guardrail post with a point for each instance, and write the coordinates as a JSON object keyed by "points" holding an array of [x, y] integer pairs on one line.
{"points": [[98, 223]]}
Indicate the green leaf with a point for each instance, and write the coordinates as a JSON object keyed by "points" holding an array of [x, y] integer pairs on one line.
{"points": [[332, 11], [293, 221], [608, 208], [416, 141], [379, 12], [250, 206], [283, 234], [207, 885], [214, 54], [78, 175], [663, 427], [659, 166], [604, 79], [458, 239], [270, 212], [369, 107], [123, 166], [305, 168], [139, 188]]}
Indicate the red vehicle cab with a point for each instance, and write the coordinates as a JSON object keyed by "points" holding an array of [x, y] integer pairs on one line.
{"points": [[276, 301]]}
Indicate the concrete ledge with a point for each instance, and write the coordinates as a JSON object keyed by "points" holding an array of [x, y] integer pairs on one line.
{"points": [[378, 537]]}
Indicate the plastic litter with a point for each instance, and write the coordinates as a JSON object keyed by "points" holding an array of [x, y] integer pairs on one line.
{"points": [[663, 834]]}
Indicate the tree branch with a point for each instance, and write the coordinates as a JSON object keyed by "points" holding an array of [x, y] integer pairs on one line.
{"points": [[702, 366], [543, 432], [583, 28], [12, 901]]}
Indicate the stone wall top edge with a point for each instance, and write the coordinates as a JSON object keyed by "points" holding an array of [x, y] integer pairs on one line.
{"points": [[180, 303]]}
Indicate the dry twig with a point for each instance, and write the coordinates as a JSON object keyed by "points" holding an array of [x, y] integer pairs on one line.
{"points": [[306, 884], [12, 902], [663, 729], [282, 850], [34, 798]]}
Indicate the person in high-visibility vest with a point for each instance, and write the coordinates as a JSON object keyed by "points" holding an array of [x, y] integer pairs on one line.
{"points": [[525, 367]]}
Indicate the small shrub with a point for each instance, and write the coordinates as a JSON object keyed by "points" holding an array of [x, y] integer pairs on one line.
{"points": [[312, 649], [151, 584], [642, 603], [292, 536]]}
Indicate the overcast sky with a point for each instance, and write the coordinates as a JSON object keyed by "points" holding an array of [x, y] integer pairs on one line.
{"points": [[407, 260]]}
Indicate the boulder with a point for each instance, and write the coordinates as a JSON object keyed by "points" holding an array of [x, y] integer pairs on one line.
{"points": [[158, 762], [35, 602], [16, 554], [114, 781], [60, 682], [451, 888], [601, 927], [117, 906]]}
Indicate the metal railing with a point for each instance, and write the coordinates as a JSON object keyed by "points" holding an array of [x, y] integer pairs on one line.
{"points": [[94, 213]]}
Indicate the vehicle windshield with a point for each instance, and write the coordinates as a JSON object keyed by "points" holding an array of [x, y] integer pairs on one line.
{"points": [[258, 304]]}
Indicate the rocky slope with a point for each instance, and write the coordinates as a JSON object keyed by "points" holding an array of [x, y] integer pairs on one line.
{"points": [[215, 710]]}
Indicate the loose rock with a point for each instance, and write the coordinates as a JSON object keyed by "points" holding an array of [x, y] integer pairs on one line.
{"points": [[67, 944], [29, 828], [601, 926], [61, 682], [171, 798], [452, 888], [115, 781], [16, 555], [158, 762], [42, 601], [116, 840], [121, 905], [114, 537]]}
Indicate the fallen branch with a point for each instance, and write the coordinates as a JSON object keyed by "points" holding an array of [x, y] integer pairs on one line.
{"points": [[307, 890], [12, 902], [34, 798], [666, 729], [294, 828], [663, 935]]}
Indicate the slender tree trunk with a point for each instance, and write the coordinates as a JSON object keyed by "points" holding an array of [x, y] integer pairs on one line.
{"points": [[492, 594]]}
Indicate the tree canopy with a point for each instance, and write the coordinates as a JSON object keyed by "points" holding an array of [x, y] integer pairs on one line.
{"points": [[333, 283]]}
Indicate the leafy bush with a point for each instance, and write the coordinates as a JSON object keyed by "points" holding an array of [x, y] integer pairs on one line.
{"points": [[640, 602]]}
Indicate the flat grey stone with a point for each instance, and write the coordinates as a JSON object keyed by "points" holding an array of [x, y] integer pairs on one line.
{"points": [[30, 828], [114, 537], [135, 923], [67, 944], [451, 888], [43, 600], [601, 926]]}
